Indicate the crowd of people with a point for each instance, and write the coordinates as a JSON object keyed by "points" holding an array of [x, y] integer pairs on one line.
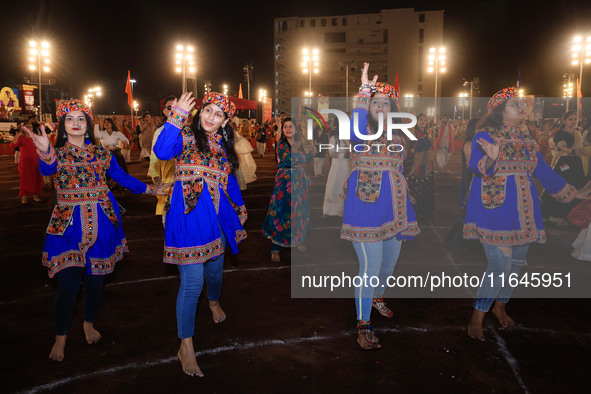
{"points": [[201, 160]]}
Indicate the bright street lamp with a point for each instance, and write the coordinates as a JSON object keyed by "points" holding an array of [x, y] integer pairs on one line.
{"points": [[136, 106], [225, 89], [39, 60], [93, 95], [437, 65], [184, 59], [262, 95], [310, 63]]}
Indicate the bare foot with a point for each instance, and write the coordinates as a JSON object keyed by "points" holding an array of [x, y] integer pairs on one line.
{"points": [[501, 314], [57, 351], [475, 330], [186, 355], [218, 314], [92, 335]]}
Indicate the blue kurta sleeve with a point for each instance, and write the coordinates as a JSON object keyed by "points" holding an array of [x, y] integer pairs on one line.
{"points": [[234, 191], [478, 157], [47, 162], [169, 143], [124, 179]]}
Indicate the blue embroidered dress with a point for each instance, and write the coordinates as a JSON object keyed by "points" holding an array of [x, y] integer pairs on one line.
{"points": [[377, 205], [288, 217], [85, 226], [205, 193], [503, 205]]}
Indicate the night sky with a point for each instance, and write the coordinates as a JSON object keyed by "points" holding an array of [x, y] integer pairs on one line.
{"points": [[95, 43]]}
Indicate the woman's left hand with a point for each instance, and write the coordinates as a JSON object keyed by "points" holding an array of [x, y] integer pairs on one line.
{"points": [[162, 189]]}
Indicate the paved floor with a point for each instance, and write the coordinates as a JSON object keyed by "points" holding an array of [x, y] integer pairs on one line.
{"points": [[272, 342]]}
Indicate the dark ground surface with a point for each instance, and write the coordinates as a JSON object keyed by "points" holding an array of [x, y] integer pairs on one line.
{"points": [[270, 341]]}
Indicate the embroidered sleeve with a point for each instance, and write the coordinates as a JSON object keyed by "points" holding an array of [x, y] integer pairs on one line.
{"points": [[177, 117], [242, 214], [48, 158], [566, 194], [150, 189], [363, 100]]}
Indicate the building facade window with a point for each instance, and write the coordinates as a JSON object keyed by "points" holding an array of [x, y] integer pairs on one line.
{"points": [[331, 38], [421, 36], [421, 18], [312, 22]]}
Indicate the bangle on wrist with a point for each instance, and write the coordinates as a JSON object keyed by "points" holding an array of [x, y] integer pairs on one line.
{"points": [[367, 86]]}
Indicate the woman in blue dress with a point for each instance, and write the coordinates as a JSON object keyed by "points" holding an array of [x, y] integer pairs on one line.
{"points": [[288, 217], [84, 236], [378, 214], [205, 210], [503, 210]]}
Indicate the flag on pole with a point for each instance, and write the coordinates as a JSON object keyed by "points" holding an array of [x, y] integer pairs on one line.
{"points": [[579, 101], [397, 86], [240, 91], [128, 90]]}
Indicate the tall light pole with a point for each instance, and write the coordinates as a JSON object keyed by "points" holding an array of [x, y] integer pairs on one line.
{"points": [[463, 102], [437, 65], [39, 60], [581, 54], [248, 74], [185, 64], [471, 83], [567, 88], [310, 64]]}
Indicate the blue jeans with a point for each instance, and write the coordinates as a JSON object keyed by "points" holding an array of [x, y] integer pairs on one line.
{"points": [[499, 264], [192, 278], [65, 302], [376, 259]]}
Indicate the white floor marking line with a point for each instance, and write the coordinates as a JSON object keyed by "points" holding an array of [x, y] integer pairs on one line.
{"points": [[510, 360], [221, 349]]}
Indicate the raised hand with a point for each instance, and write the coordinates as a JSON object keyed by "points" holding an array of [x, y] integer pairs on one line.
{"points": [[364, 76], [41, 141], [491, 150], [185, 102]]}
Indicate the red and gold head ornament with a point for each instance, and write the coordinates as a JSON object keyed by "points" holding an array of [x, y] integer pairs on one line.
{"points": [[73, 105], [222, 101], [387, 89], [501, 96]]}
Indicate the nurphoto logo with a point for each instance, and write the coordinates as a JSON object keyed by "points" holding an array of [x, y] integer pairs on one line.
{"points": [[344, 133]]}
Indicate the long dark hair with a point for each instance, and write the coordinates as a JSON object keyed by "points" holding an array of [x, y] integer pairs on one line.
{"points": [[494, 118], [373, 123], [227, 137], [471, 129], [62, 137], [296, 131], [113, 125], [563, 118], [424, 131]]}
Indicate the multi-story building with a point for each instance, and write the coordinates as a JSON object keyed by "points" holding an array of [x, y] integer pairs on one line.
{"points": [[392, 41]]}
